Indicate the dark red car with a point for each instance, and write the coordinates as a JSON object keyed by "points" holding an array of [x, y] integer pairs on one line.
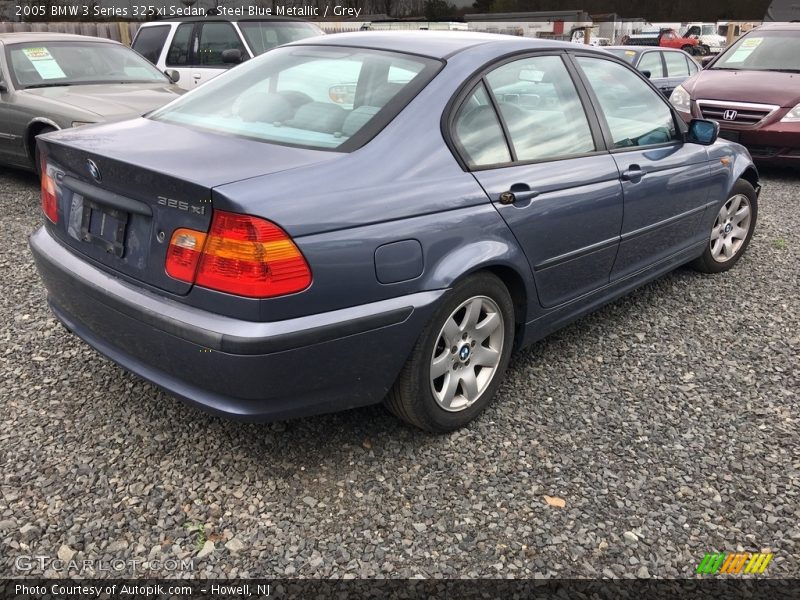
{"points": [[753, 91]]}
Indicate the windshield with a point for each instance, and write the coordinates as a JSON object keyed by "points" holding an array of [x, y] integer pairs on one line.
{"points": [[48, 64], [265, 35], [763, 51], [627, 55], [310, 96]]}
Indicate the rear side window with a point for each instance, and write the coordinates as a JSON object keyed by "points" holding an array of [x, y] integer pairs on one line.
{"points": [[215, 38], [265, 35], [651, 61], [150, 40], [180, 49], [478, 132], [676, 65], [636, 114], [309, 96], [541, 108], [692, 66]]}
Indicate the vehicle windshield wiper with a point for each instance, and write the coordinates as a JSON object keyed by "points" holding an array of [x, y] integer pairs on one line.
{"points": [[45, 85], [782, 70]]}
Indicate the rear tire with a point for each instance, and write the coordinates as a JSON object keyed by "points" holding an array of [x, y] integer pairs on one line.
{"points": [[732, 230], [460, 358]]}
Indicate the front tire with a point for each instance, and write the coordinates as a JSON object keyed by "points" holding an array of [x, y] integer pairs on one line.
{"points": [[732, 230], [460, 358]]}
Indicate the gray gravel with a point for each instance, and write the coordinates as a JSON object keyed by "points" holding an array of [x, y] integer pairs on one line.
{"points": [[667, 422]]}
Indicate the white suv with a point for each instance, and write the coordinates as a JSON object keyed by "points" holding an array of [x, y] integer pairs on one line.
{"points": [[196, 49]]}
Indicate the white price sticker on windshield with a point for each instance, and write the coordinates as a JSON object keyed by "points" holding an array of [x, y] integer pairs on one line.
{"points": [[745, 49], [44, 63]]}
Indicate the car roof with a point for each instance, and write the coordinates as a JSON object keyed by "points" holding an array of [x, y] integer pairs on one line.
{"points": [[785, 26], [435, 44], [639, 49], [24, 37]]}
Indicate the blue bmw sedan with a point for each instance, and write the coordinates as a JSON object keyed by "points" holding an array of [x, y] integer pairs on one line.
{"points": [[378, 217]]}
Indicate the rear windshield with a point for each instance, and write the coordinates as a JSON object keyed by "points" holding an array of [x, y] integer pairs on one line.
{"points": [[265, 35], [763, 51], [310, 96]]}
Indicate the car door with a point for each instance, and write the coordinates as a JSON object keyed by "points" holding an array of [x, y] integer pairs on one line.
{"points": [[665, 181], [181, 54], [677, 69], [524, 133], [213, 38], [653, 62]]}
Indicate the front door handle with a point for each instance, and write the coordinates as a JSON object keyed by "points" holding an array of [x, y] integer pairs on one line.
{"points": [[633, 173], [519, 192]]}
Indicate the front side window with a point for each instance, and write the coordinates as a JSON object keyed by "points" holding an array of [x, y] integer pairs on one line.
{"points": [[763, 51], [309, 96], [635, 113], [478, 131], [651, 61], [180, 50], [49, 64], [541, 108], [676, 64], [150, 40], [215, 38]]}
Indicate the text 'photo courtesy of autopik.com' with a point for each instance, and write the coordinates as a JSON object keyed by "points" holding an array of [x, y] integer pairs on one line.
{"points": [[405, 299]]}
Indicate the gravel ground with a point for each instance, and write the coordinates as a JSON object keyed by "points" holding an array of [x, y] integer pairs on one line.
{"points": [[667, 422]]}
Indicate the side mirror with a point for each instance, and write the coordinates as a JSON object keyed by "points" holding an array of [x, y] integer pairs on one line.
{"points": [[3, 86], [706, 60], [703, 132], [173, 75], [646, 74], [232, 56]]}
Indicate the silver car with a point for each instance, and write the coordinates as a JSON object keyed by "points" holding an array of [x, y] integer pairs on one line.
{"points": [[52, 81]]}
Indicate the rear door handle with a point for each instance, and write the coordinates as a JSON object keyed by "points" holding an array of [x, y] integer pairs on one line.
{"points": [[633, 173]]}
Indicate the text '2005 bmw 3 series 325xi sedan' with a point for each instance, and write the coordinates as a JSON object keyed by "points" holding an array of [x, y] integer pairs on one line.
{"points": [[378, 216]]}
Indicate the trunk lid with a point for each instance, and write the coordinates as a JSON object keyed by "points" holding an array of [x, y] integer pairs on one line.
{"points": [[124, 188]]}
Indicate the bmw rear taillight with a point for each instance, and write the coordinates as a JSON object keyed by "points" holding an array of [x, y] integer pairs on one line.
{"points": [[240, 255], [184, 252], [49, 201]]}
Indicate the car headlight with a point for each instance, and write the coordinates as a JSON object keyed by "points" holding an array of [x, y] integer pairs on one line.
{"points": [[681, 99], [79, 123], [793, 116]]}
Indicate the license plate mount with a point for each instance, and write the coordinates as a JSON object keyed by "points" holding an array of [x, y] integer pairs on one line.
{"points": [[732, 136], [104, 226]]}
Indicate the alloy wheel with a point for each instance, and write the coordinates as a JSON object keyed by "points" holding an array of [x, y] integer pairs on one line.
{"points": [[731, 228], [467, 353]]}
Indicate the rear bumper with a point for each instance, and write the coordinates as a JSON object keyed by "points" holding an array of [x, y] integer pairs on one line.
{"points": [[255, 371]]}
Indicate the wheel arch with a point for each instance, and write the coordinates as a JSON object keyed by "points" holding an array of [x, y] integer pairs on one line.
{"points": [[503, 261], [33, 129]]}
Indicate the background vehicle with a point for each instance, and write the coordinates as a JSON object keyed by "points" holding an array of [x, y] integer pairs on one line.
{"points": [[666, 38], [666, 68], [753, 90], [708, 35], [330, 255], [52, 81], [196, 49]]}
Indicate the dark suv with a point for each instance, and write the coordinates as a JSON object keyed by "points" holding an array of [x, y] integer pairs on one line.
{"points": [[753, 90]]}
